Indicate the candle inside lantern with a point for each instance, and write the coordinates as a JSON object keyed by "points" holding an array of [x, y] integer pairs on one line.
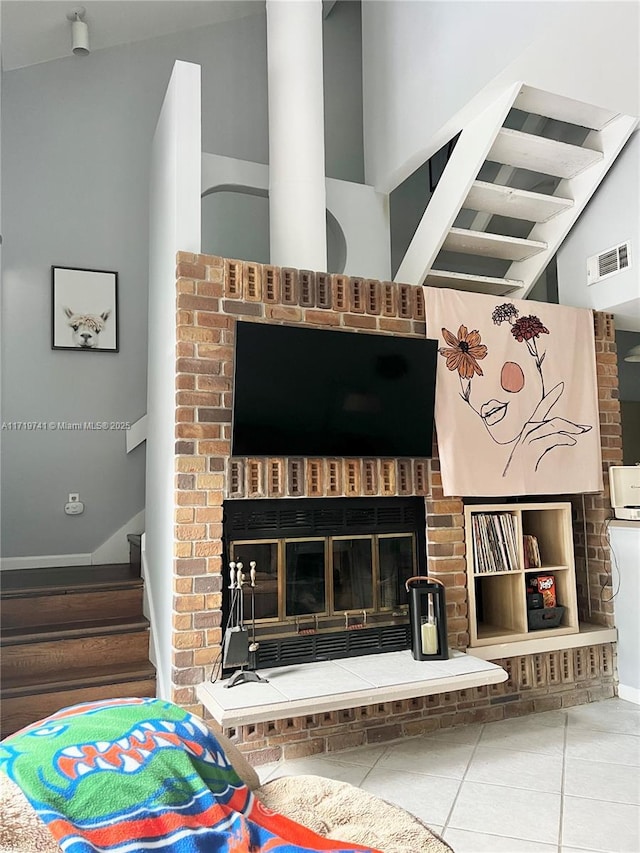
{"points": [[429, 634], [428, 618]]}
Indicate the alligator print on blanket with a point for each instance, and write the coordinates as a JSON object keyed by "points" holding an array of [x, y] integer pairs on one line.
{"points": [[142, 774]]}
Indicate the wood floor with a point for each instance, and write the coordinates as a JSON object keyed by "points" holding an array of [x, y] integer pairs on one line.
{"points": [[69, 635]]}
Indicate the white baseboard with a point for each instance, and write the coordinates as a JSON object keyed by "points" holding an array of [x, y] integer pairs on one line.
{"points": [[45, 561], [630, 694], [116, 548], [143, 547]]}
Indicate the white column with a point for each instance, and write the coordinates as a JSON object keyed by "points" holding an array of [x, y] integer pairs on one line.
{"points": [[174, 225], [297, 203]]}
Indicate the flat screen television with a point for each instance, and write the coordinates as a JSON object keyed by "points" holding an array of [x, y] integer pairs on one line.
{"points": [[300, 391]]}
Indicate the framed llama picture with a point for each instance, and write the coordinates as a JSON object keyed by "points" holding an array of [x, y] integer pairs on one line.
{"points": [[84, 310]]}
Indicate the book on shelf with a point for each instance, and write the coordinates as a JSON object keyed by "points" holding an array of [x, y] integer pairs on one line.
{"points": [[531, 552], [494, 540]]}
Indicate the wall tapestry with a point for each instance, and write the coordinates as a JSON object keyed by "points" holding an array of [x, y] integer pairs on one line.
{"points": [[516, 397]]}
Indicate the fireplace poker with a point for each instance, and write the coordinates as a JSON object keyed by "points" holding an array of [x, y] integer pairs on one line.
{"points": [[244, 675], [239, 585], [252, 574]]}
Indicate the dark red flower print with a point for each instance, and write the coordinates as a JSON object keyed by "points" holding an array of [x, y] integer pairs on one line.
{"points": [[527, 328]]}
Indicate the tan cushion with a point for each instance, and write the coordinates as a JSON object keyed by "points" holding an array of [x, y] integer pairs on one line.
{"points": [[21, 830], [343, 812]]}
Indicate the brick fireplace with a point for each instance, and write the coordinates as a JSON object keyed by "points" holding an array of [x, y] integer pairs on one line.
{"points": [[212, 294]]}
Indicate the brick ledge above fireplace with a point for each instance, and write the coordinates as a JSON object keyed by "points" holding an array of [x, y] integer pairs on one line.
{"points": [[348, 683]]}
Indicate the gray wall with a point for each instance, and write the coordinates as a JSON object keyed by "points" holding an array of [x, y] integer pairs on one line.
{"points": [[628, 371], [236, 225], [76, 141], [342, 67], [612, 216], [75, 151], [629, 391]]}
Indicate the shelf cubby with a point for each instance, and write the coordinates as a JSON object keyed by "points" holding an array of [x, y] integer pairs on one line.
{"points": [[497, 598]]}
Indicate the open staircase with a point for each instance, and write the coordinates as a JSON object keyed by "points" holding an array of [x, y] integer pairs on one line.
{"points": [[71, 635], [517, 178]]}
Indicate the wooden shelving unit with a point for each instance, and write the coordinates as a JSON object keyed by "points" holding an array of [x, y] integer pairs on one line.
{"points": [[497, 599]]}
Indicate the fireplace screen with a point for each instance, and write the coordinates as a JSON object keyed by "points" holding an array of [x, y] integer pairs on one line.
{"points": [[328, 577]]}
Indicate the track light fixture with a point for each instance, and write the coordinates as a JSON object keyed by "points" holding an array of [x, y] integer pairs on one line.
{"points": [[79, 31]]}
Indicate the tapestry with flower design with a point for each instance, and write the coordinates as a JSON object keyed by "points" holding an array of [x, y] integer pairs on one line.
{"points": [[516, 407]]}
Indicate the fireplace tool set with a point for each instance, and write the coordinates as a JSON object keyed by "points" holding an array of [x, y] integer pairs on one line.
{"points": [[238, 651], [427, 617]]}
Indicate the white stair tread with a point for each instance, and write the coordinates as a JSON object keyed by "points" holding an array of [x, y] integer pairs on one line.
{"points": [[472, 283], [491, 245], [518, 204], [526, 151], [542, 103]]}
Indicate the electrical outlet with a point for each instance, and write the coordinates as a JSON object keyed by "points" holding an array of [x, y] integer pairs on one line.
{"points": [[73, 497]]}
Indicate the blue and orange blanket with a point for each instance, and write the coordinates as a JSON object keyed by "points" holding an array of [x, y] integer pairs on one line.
{"points": [[131, 775]]}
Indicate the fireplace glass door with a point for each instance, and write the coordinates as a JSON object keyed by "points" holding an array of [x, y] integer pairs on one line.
{"points": [[266, 598], [327, 578], [306, 583], [352, 573], [397, 564]]}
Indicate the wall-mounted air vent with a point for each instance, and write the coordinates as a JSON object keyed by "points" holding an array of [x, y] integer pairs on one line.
{"points": [[608, 263]]}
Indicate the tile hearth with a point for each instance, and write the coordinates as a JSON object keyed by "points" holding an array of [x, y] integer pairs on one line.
{"points": [[345, 683]]}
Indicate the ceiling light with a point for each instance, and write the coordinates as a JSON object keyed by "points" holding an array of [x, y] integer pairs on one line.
{"points": [[79, 32], [633, 354]]}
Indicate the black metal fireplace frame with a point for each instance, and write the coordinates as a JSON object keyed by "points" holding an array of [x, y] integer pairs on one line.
{"points": [[312, 517]]}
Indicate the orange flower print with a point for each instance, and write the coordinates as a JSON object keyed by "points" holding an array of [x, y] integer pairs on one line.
{"points": [[463, 352]]}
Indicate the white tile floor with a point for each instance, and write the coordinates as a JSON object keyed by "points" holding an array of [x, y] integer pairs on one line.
{"points": [[556, 782]]}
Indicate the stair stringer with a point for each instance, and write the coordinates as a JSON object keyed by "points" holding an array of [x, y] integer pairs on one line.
{"points": [[453, 187], [610, 141]]}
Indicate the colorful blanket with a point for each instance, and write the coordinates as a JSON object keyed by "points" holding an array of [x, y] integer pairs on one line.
{"points": [[129, 775]]}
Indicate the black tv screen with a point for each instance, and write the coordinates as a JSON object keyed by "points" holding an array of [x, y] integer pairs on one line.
{"points": [[300, 391]]}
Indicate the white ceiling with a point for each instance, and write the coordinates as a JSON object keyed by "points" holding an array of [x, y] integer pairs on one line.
{"points": [[35, 31]]}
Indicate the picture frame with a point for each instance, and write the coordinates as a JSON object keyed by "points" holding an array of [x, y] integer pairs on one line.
{"points": [[84, 310]]}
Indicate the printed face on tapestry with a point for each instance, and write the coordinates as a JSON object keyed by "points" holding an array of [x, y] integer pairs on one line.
{"points": [[505, 386]]}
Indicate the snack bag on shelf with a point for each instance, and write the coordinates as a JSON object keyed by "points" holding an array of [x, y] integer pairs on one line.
{"points": [[547, 587]]}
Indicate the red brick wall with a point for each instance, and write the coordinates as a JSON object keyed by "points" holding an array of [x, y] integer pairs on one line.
{"points": [[592, 512], [212, 293]]}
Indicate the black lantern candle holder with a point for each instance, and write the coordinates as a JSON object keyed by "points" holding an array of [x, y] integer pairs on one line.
{"points": [[428, 618]]}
